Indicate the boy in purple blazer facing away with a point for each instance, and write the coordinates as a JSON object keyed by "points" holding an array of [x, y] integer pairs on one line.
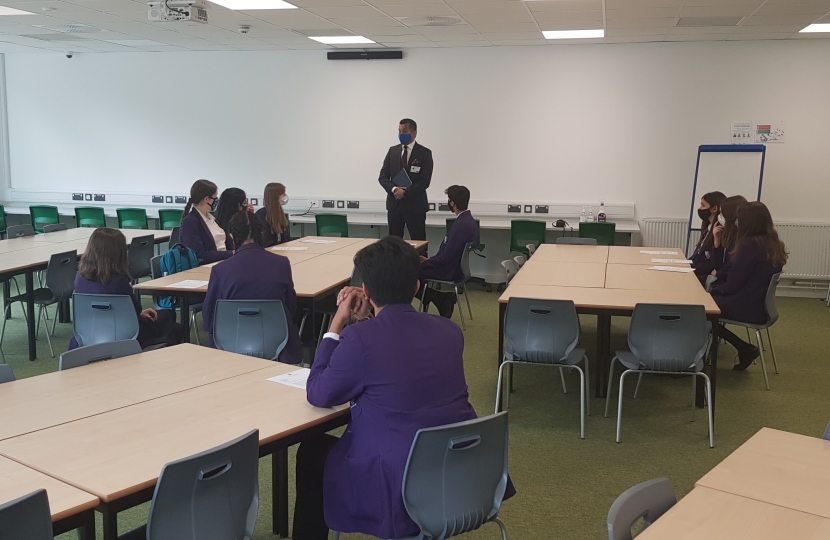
{"points": [[402, 371]]}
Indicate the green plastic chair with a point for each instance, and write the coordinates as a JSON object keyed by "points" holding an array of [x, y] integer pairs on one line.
{"points": [[132, 218], [169, 218], [603, 232], [332, 225], [43, 214], [3, 224], [477, 247], [524, 232], [90, 216]]}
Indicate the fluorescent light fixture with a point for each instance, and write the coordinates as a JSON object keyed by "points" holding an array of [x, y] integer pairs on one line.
{"points": [[573, 34], [815, 28], [246, 5], [11, 11], [341, 40]]}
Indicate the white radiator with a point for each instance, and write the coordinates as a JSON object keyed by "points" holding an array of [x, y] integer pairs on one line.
{"points": [[668, 233]]}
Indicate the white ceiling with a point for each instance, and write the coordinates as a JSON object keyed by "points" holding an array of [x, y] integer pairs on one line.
{"points": [[483, 23]]}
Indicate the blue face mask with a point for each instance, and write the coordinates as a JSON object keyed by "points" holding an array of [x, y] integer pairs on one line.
{"points": [[405, 138]]}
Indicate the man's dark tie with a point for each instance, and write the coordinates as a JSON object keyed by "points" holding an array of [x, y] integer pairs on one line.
{"points": [[404, 158]]}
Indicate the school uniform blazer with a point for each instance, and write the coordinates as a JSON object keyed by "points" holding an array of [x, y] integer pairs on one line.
{"points": [[398, 382], [703, 260], [255, 274], [196, 235], [446, 264], [117, 285], [415, 200], [269, 237], [741, 297]]}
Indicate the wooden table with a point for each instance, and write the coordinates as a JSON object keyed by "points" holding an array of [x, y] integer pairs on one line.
{"points": [[571, 253], [639, 277], [562, 274], [71, 508], [632, 255]]}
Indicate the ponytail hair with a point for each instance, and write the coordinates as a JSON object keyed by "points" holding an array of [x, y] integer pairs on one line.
{"points": [[245, 225], [198, 191]]}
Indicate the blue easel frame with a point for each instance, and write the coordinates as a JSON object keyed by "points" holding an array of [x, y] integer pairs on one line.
{"points": [[733, 148]]}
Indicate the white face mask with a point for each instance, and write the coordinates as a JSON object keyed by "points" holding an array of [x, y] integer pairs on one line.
{"points": [[284, 200], [721, 220]]}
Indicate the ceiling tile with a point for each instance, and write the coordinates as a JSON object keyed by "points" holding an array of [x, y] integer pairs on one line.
{"points": [[463, 43], [519, 42], [418, 10], [638, 4], [625, 32], [463, 8], [698, 37], [639, 14], [755, 20], [494, 18], [634, 39], [565, 5], [353, 12], [512, 36], [507, 27], [641, 23], [326, 3], [441, 30], [760, 36], [397, 39], [366, 23], [718, 11], [567, 16], [794, 9]]}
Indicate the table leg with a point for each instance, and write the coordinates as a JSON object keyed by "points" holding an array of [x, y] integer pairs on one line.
{"points": [[110, 522], [185, 303], [64, 315], [712, 368], [603, 354], [7, 292], [87, 530], [279, 488], [30, 310], [500, 352]]}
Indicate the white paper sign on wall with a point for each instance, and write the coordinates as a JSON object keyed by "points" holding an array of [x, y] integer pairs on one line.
{"points": [[742, 133], [770, 132]]}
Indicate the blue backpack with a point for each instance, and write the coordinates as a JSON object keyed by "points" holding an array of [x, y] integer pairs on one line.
{"points": [[178, 259]]}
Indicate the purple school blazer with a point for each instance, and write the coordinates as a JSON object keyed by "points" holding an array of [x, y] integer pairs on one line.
{"points": [[196, 235], [742, 296], [446, 264]]}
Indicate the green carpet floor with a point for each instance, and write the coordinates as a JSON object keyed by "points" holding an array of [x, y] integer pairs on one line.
{"points": [[565, 485]]}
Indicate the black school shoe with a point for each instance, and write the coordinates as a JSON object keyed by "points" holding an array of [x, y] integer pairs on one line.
{"points": [[746, 356]]}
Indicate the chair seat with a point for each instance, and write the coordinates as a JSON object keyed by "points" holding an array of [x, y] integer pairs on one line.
{"points": [[754, 326], [444, 282], [42, 296], [573, 358], [630, 361]]}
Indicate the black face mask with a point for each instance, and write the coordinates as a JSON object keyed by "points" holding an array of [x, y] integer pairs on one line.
{"points": [[704, 214]]}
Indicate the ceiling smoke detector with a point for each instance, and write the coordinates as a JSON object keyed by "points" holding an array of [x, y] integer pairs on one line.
{"points": [[430, 21]]}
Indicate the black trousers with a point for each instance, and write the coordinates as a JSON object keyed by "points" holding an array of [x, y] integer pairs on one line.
{"points": [[730, 337], [416, 224], [309, 518]]}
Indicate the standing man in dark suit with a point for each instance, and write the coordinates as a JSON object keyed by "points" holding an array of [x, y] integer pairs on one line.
{"points": [[407, 206]]}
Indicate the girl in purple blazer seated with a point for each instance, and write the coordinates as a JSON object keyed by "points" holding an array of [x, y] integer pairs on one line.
{"points": [[397, 381], [199, 231], [253, 274], [104, 270], [725, 232], [275, 228], [703, 258], [757, 256]]}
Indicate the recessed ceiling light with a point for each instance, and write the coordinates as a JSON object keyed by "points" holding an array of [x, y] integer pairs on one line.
{"points": [[341, 40], [816, 28], [11, 11], [254, 4], [573, 34]]}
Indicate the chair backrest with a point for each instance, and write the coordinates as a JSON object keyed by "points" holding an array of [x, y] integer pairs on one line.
{"points": [[356, 279], [60, 274], [540, 331], [524, 232], [27, 517], [456, 475], [531, 249], [103, 318], [251, 327], [6, 373], [604, 232], [332, 225], [43, 214], [476, 245], [169, 218], [90, 216], [208, 496], [465, 261], [139, 255], [132, 218], [55, 227], [19, 231], [668, 337], [91, 354], [520, 260], [510, 269], [648, 500], [175, 235], [826, 435], [576, 241], [3, 224], [769, 302]]}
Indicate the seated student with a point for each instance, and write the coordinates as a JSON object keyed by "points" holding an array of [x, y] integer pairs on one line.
{"points": [[398, 382], [253, 274], [446, 264], [231, 201], [703, 256], [199, 230], [104, 270], [724, 233], [758, 254], [275, 228]]}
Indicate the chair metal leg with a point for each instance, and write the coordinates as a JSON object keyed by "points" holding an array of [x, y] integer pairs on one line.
{"points": [[498, 388], [772, 350], [619, 403], [562, 376], [763, 364], [460, 309], [37, 325], [637, 388], [608, 392], [323, 328], [587, 382], [423, 292], [709, 406], [502, 527], [195, 327], [467, 298], [336, 535], [55, 322], [37, 330], [694, 396], [581, 402]]}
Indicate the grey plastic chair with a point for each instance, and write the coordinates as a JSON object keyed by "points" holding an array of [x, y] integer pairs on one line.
{"points": [[520, 260], [6, 374], [545, 333], [91, 354], [139, 255], [465, 270], [27, 517], [510, 269], [104, 318], [55, 227], [19, 231], [826, 435], [357, 278], [175, 235], [772, 317], [456, 476], [60, 284], [213, 495], [531, 249], [665, 339], [194, 308], [647, 501], [251, 327], [576, 241]]}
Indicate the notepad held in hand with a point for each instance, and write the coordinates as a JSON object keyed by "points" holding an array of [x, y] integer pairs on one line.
{"points": [[402, 179]]}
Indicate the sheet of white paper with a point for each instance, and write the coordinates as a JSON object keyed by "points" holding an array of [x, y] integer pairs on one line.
{"points": [[189, 284], [646, 252], [295, 379], [672, 261], [671, 269], [315, 241], [289, 248]]}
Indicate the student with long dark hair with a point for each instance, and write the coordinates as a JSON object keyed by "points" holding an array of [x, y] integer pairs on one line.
{"points": [[104, 270], [199, 231], [253, 274], [703, 256], [275, 229], [232, 201], [757, 255], [724, 234]]}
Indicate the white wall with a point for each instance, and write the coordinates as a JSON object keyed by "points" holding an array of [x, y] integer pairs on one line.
{"points": [[563, 123]]}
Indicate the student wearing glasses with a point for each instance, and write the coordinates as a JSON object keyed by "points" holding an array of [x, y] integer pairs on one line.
{"points": [[199, 230]]}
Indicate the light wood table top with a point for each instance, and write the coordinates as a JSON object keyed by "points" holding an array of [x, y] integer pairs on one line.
{"points": [[122, 451], [307, 242], [165, 284], [17, 480], [570, 253], [561, 274], [315, 276], [708, 514], [779, 468], [632, 255], [295, 257], [37, 403], [634, 276]]}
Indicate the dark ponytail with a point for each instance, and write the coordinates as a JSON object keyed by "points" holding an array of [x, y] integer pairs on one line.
{"points": [[198, 191], [245, 225]]}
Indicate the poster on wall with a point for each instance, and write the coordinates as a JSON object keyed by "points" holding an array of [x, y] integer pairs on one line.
{"points": [[770, 132], [742, 133]]}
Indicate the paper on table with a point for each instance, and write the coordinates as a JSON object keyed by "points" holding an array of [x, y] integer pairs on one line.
{"points": [[318, 241], [646, 252], [289, 248], [188, 284], [671, 269], [296, 379], [672, 261]]}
